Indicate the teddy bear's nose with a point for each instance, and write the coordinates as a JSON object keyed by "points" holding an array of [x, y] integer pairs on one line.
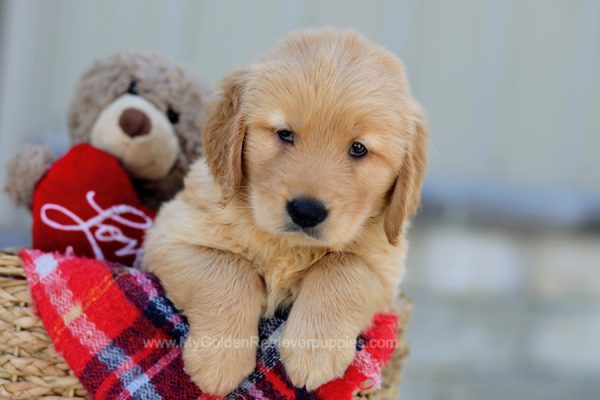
{"points": [[134, 122]]}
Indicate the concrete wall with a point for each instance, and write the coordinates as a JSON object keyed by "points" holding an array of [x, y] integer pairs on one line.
{"points": [[502, 314]]}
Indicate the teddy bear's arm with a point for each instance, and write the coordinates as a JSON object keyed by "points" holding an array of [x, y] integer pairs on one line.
{"points": [[24, 170]]}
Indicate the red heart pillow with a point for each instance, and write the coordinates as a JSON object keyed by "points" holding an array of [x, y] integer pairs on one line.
{"points": [[86, 204]]}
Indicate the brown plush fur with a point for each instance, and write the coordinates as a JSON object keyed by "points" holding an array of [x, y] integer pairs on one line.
{"points": [[164, 85], [223, 248], [25, 170]]}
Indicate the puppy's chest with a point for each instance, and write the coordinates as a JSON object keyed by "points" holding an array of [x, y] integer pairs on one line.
{"points": [[283, 273]]}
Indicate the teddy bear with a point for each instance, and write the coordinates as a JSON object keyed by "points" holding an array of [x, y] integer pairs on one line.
{"points": [[141, 108]]}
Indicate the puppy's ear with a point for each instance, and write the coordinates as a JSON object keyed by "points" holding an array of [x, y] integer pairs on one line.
{"points": [[406, 194], [223, 135]]}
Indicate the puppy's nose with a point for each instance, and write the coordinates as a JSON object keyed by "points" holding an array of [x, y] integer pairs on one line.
{"points": [[306, 213], [134, 122]]}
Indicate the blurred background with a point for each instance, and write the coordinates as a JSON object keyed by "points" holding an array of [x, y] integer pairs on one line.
{"points": [[504, 268]]}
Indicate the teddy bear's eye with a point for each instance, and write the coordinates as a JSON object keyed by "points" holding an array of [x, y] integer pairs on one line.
{"points": [[133, 89], [173, 116]]}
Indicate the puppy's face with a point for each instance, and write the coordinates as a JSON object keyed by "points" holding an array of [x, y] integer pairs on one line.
{"points": [[317, 163], [326, 125]]}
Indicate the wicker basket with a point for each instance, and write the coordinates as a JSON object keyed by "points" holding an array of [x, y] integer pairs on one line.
{"points": [[31, 369]]}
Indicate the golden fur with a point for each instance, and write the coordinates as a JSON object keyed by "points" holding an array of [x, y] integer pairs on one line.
{"points": [[223, 249]]}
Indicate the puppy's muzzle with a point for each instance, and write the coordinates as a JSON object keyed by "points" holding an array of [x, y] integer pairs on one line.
{"points": [[305, 212]]}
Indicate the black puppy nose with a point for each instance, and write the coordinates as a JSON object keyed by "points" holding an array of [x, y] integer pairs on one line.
{"points": [[135, 122], [306, 213]]}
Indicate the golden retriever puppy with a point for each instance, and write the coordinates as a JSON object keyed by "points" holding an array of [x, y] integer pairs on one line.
{"points": [[315, 157]]}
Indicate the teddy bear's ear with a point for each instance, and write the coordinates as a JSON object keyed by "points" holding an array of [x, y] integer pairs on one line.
{"points": [[223, 135]]}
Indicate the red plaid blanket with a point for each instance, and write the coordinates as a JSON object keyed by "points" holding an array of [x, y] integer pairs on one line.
{"points": [[122, 337]]}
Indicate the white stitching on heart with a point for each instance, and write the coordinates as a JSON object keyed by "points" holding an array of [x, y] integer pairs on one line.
{"points": [[105, 232]]}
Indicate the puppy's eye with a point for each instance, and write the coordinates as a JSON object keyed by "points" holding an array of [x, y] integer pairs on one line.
{"points": [[286, 135], [133, 88], [358, 150], [173, 116]]}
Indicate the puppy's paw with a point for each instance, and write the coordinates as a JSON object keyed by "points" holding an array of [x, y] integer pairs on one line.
{"points": [[311, 363], [218, 369]]}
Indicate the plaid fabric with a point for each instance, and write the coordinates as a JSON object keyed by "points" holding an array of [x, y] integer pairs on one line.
{"points": [[122, 337]]}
